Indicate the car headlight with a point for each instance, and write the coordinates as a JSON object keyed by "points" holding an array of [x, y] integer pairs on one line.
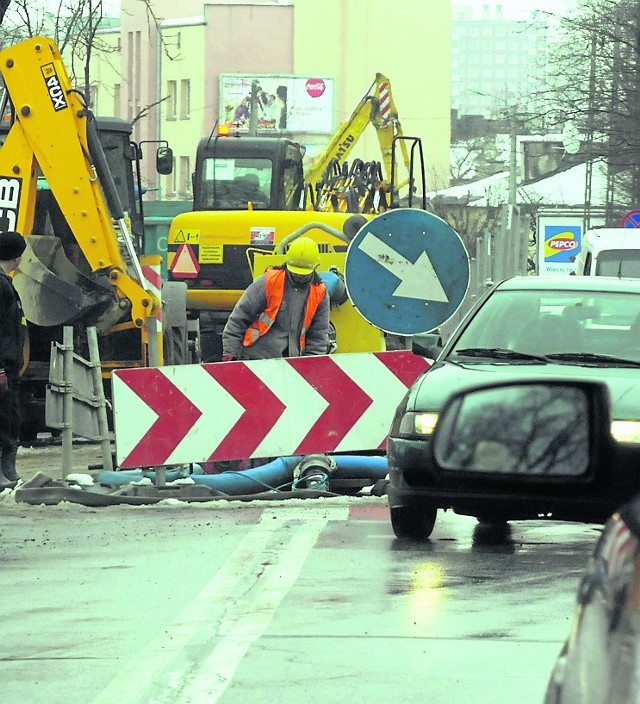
{"points": [[418, 423], [626, 431]]}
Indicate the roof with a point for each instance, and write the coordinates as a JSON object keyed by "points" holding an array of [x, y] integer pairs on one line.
{"points": [[613, 238], [565, 188], [588, 284]]}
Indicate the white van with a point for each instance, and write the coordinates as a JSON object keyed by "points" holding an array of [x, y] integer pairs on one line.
{"points": [[609, 251]]}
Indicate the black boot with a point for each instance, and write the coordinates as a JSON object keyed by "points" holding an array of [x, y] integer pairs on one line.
{"points": [[6, 483], [8, 475]]}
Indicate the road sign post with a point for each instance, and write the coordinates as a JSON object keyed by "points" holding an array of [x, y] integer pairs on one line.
{"points": [[407, 271]]}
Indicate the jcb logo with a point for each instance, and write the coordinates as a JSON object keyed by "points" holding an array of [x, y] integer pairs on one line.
{"points": [[9, 202], [52, 82]]}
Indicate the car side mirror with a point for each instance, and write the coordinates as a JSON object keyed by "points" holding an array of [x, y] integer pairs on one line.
{"points": [[164, 160], [427, 345], [533, 431]]}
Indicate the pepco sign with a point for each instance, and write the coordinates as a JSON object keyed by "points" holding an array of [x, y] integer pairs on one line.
{"points": [[560, 242]]}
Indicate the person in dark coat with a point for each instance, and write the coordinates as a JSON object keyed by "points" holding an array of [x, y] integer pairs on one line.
{"points": [[12, 337]]}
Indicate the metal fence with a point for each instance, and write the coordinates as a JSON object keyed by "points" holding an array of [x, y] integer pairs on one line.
{"points": [[499, 255]]}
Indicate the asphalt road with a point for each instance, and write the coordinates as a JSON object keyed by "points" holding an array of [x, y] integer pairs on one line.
{"points": [[299, 600]]}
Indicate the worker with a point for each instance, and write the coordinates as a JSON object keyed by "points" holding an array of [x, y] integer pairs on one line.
{"points": [[12, 337], [283, 313]]}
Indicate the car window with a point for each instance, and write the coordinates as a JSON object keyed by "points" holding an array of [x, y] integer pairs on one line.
{"points": [[619, 262], [536, 322]]}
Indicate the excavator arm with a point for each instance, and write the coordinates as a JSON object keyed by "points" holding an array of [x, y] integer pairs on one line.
{"points": [[53, 134], [376, 107]]}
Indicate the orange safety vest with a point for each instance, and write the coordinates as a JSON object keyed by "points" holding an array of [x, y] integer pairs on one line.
{"points": [[275, 280]]}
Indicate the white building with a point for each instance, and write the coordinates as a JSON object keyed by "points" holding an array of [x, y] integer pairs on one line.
{"points": [[497, 63]]}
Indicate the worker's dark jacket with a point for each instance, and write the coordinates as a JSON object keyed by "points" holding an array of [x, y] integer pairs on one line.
{"points": [[12, 327], [298, 320]]}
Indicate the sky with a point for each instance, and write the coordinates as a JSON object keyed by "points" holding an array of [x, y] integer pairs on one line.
{"points": [[111, 7]]}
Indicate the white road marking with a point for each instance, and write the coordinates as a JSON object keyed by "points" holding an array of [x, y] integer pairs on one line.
{"points": [[196, 657]]}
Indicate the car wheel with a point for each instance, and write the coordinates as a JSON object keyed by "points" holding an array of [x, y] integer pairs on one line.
{"points": [[413, 522]]}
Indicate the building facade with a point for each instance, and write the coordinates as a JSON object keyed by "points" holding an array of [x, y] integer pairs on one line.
{"points": [[165, 70], [498, 64]]}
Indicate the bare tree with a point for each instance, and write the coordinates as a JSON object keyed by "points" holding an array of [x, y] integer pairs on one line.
{"points": [[596, 86], [74, 27]]}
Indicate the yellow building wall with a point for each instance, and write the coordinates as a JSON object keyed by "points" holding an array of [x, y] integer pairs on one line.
{"points": [[408, 41], [105, 71], [348, 40], [183, 128]]}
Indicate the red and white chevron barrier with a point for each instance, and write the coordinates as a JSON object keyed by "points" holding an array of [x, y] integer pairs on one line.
{"points": [[263, 408]]}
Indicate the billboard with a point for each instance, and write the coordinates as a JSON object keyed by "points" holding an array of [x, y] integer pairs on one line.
{"points": [[301, 104], [560, 241]]}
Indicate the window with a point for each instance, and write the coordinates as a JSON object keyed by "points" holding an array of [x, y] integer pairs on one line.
{"points": [[117, 99], [171, 100], [185, 99], [171, 182], [185, 178], [228, 184], [618, 262]]}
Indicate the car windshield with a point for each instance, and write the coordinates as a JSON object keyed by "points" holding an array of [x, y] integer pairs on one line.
{"points": [[619, 262], [229, 184], [543, 323]]}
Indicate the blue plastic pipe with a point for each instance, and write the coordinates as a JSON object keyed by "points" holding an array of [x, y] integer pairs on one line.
{"points": [[275, 474]]}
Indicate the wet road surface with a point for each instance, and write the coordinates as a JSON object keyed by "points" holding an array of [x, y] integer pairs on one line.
{"points": [[311, 601]]}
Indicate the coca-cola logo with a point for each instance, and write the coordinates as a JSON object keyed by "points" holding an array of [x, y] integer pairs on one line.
{"points": [[563, 243], [315, 87]]}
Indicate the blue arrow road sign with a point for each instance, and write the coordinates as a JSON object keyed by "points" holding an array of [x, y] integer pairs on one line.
{"points": [[407, 271]]}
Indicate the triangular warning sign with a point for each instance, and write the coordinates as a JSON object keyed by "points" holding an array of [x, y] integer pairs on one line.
{"points": [[184, 263]]}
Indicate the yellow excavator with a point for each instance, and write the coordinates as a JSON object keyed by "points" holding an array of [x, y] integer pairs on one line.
{"points": [[332, 184], [64, 177], [233, 169], [252, 196]]}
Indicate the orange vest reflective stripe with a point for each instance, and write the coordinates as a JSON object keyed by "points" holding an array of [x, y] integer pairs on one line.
{"points": [[275, 282]]}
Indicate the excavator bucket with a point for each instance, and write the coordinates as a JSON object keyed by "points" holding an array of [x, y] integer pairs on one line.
{"points": [[53, 291]]}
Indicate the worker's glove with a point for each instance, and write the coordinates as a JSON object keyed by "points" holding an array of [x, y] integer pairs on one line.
{"points": [[4, 382], [228, 357]]}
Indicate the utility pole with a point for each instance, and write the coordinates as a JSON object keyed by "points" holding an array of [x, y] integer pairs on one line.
{"points": [[515, 246], [253, 117]]}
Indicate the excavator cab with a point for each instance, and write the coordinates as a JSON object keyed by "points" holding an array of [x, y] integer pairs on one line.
{"points": [[233, 172]]}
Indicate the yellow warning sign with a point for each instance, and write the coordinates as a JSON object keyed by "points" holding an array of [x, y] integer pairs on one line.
{"points": [[210, 254], [184, 236]]}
